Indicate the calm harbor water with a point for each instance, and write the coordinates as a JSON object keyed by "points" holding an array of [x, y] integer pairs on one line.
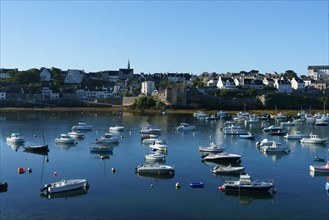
{"points": [[126, 195]]}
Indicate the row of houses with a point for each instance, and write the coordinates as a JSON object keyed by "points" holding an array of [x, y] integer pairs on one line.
{"points": [[124, 81]]}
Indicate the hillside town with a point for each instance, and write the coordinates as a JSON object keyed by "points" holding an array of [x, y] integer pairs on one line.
{"points": [[53, 86]]}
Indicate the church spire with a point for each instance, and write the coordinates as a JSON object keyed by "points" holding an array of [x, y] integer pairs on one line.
{"points": [[128, 63]]}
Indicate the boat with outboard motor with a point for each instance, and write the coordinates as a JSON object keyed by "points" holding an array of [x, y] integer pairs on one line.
{"points": [[212, 148], [64, 185], [155, 169], [227, 170], [222, 157]]}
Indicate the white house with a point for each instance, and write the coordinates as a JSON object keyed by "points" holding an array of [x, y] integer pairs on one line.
{"points": [[45, 75], [74, 76], [297, 84], [318, 72], [283, 85], [147, 87], [226, 83]]}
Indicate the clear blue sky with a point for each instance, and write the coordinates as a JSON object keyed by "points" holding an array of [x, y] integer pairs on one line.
{"points": [[165, 36]]}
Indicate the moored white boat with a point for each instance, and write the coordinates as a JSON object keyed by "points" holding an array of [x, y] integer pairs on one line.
{"points": [[265, 142], [227, 170], [247, 136], [296, 135], [212, 117], [246, 184], [200, 114], [320, 169], [65, 139], [288, 123], [185, 127], [155, 157], [234, 130], [274, 147], [15, 138], [108, 138], [148, 129], [64, 185], [116, 128], [212, 148], [155, 169], [223, 157], [81, 126], [159, 145], [313, 139], [76, 134]]}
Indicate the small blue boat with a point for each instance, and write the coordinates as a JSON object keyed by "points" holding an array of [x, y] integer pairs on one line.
{"points": [[101, 150], [197, 185]]}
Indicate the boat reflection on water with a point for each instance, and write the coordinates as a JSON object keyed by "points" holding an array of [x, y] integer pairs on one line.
{"points": [[66, 195], [14, 146], [42, 153], [64, 146], [150, 176], [246, 198], [275, 155]]}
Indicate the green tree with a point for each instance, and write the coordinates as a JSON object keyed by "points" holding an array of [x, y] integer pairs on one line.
{"points": [[290, 74]]}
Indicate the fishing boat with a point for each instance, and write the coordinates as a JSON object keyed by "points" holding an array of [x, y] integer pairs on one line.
{"points": [[223, 157], [296, 135], [320, 169], [155, 169], [212, 148], [81, 126], [101, 149], [313, 139], [227, 170], [15, 138], [155, 157], [327, 186], [64, 185], [246, 184], [185, 127]]}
